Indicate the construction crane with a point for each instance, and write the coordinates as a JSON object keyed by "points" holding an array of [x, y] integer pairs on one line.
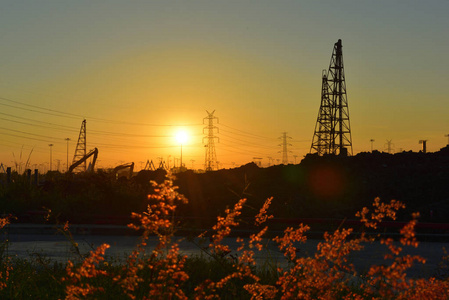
{"points": [[124, 166], [93, 152]]}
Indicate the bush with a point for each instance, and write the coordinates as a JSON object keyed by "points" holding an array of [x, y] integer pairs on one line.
{"points": [[162, 273]]}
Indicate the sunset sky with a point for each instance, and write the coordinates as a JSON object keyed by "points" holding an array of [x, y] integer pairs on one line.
{"points": [[139, 71]]}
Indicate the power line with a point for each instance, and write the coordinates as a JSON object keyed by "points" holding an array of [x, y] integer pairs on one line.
{"points": [[70, 115], [93, 131], [29, 138], [240, 148], [248, 133], [33, 134], [38, 107], [36, 121], [43, 126], [246, 142], [32, 110]]}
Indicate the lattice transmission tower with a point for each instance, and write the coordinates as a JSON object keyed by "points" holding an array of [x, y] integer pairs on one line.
{"points": [[332, 130], [211, 162], [80, 151], [284, 145]]}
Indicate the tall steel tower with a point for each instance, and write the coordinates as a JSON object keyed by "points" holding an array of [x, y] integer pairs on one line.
{"points": [[211, 157], [333, 131], [80, 151], [284, 145], [321, 142]]}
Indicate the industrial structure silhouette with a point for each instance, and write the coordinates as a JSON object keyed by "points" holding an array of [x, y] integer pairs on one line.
{"points": [[284, 145], [80, 150], [211, 157], [332, 130]]}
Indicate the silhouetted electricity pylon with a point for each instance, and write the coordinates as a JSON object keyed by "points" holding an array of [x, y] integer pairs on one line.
{"points": [[284, 145], [211, 157], [389, 146], [332, 130], [80, 151]]}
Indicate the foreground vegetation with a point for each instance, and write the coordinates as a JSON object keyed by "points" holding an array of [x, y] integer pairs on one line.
{"points": [[162, 273]]}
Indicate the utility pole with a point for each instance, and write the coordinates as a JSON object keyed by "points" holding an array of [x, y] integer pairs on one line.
{"points": [[372, 141], [51, 145], [168, 162], [58, 164], [67, 139], [284, 145], [447, 135], [295, 156], [424, 145]]}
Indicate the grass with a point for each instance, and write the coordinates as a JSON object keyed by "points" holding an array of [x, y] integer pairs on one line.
{"points": [[220, 273]]}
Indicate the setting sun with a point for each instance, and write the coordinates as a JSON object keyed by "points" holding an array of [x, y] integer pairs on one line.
{"points": [[182, 137]]}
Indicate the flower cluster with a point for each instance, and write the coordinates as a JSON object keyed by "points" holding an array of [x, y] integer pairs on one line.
{"points": [[158, 219], [243, 262], [262, 216], [165, 268], [286, 243], [381, 211], [223, 228], [169, 276], [4, 222], [77, 277]]}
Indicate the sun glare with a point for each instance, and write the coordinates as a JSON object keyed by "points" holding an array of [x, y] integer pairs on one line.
{"points": [[182, 137]]}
